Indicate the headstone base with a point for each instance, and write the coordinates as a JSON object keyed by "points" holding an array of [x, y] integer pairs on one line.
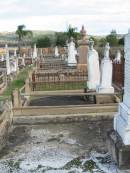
{"points": [[120, 152], [105, 90], [91, 85], [122, 123], [105, 99]]}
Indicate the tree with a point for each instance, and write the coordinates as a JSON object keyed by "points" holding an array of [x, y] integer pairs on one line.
{"points": [[121, 41], [94, 39], [113, 32], [22, 33], [112, 38], [61, 38], [102, 42], [71, 32], [43, 42]]}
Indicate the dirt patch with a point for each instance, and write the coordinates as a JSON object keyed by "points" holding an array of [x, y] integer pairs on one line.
{"points": [[59, 101]]}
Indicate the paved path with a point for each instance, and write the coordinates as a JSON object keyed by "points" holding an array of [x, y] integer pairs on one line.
{"points": [[55, 148]]}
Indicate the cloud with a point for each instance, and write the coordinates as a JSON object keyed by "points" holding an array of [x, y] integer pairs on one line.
{"points": [[99, 16]]}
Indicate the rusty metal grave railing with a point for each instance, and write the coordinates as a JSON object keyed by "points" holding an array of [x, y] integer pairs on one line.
{"points": [[58, 81]]}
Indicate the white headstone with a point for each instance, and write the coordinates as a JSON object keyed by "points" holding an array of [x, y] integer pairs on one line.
{"points": [[41, 52], [56, 52], [93, 67], [2, 57], [106, 73], [16, 64], [122, 119], [72, 53], [13, 66], [8, 68], [35, 52], [118, 57], [23, 59], [15, 53]]}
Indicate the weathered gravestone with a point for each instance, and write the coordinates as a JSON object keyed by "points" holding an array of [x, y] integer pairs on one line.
{"points": [[119, 139]]}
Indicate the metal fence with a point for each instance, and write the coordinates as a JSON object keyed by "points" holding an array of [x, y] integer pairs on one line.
{"points": [[3, 80], [58, 81], [2, 64], [118, 74]]}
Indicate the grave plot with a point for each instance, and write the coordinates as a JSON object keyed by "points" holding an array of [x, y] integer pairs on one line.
{"points": [[58, 80], [57, 76]]}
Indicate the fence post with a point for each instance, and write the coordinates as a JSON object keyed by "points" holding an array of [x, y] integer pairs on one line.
{"points": [[16, 99]]}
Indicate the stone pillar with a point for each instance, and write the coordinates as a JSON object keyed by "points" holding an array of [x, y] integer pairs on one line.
{"points": [[82, 51], [27, 86], [119, 139], [122, 120], [16, 98], [106, 73]]}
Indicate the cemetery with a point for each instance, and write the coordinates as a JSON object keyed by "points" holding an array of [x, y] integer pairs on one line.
{"points": [[65, 109]]}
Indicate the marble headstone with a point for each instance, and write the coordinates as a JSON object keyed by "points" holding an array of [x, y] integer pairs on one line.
{"points": [[122, 119], [118, 57], [72, 53], [93, 67], [106, 73], [7, 60], [34, 52], [56, 52], [15, 53]]}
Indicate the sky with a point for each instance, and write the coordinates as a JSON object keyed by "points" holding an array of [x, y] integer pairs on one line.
{"points": [[98, 16]]}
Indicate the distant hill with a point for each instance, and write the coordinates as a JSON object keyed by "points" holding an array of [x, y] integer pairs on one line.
{"points": [[12, 35], [7, 36], [38, 33]]}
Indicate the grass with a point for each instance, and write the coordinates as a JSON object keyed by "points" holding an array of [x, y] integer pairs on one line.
{"points": [[59, 86], [18, 82]]}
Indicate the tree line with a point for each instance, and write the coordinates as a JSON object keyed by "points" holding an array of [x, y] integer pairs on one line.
{"points": [[61, 38]]}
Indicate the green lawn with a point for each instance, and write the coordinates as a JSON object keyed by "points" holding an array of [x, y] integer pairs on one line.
{"points": [[18, 82], [59, 86]]}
